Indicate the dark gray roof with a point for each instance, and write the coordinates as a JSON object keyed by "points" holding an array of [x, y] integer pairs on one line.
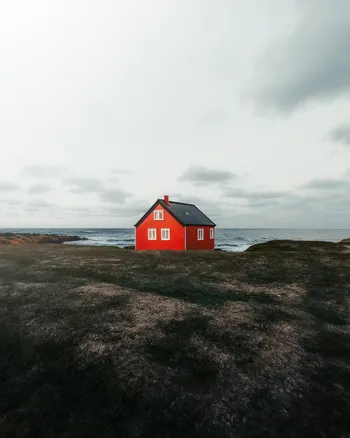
{"points": [[186, 214]]}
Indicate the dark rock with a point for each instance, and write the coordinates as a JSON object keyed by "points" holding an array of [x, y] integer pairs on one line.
{"points": [[15, 239], [129, 247], [292, 246]]}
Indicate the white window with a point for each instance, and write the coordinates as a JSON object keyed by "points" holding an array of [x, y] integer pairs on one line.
{"points": [[165, 233], [200, 234], [152, 234], [158, 215], [212, 233]]}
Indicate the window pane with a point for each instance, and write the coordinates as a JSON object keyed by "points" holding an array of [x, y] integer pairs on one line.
{"points": [[165, 234], [152, 234]]}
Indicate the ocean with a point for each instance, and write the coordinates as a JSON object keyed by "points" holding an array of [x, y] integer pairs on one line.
{"points": [[233, 239]]}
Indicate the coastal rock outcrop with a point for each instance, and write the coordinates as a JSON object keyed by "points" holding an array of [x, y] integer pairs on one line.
{"points": [[21, 238], [295, 245]]}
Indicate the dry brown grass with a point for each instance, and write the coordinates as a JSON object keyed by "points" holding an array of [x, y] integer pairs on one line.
{"points": [[113, 343]]}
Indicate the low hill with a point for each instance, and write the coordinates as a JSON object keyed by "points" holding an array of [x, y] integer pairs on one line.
{"points": [[298, 245]]}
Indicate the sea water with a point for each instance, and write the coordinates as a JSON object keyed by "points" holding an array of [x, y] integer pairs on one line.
{"points": [[228, 239]]}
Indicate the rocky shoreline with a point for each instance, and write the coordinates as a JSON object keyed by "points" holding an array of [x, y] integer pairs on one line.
{"points": [[24, 238], [270, 246], [298, 245]]}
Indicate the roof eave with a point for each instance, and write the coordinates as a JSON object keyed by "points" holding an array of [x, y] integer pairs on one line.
{"points": [[201, 225]]}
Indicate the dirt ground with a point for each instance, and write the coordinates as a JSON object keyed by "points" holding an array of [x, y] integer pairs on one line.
{"points": [[104, 342]]}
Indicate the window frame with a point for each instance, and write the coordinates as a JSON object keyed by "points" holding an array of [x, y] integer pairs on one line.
{"points": [[212, 233], [200, 231], [161, 233], [158, 215], [152, 231]]}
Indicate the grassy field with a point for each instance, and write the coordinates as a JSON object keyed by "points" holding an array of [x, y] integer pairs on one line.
{"points": [[103, 342]]}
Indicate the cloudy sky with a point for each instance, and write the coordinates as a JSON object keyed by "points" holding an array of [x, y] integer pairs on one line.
{"points": [[240, 107]]}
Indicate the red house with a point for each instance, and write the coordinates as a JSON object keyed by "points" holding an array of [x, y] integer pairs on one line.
{"points": [[169, 225]]}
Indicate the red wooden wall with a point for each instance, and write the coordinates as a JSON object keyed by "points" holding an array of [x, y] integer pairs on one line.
{"points": [[177, 233], [193, 243]]}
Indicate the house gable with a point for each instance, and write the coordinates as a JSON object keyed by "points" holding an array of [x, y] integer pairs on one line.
{"points": [[164, 234], [152, 208]]}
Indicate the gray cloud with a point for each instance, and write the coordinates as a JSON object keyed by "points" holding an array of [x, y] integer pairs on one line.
{"points": [[84, 211], [319, 201], [235, 193], [310, 63], [121, 171], [39, 203], [254, 194], [263, 202], [115, 196], [341, 134], [36, 189], [201, 175], [81, 185], [232, 207], [129, 210], [326, 184], [304, 211], [32, 210], [213, 118], [10, 201], [207, 205], [84, 185], [43, 171], [6, 186]]}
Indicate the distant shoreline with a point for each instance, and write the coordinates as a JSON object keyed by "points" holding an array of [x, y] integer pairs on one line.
{"points": [[10, 238]]}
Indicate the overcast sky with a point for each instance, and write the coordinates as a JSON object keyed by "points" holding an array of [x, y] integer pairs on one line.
{"points": [[242, 107]]}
